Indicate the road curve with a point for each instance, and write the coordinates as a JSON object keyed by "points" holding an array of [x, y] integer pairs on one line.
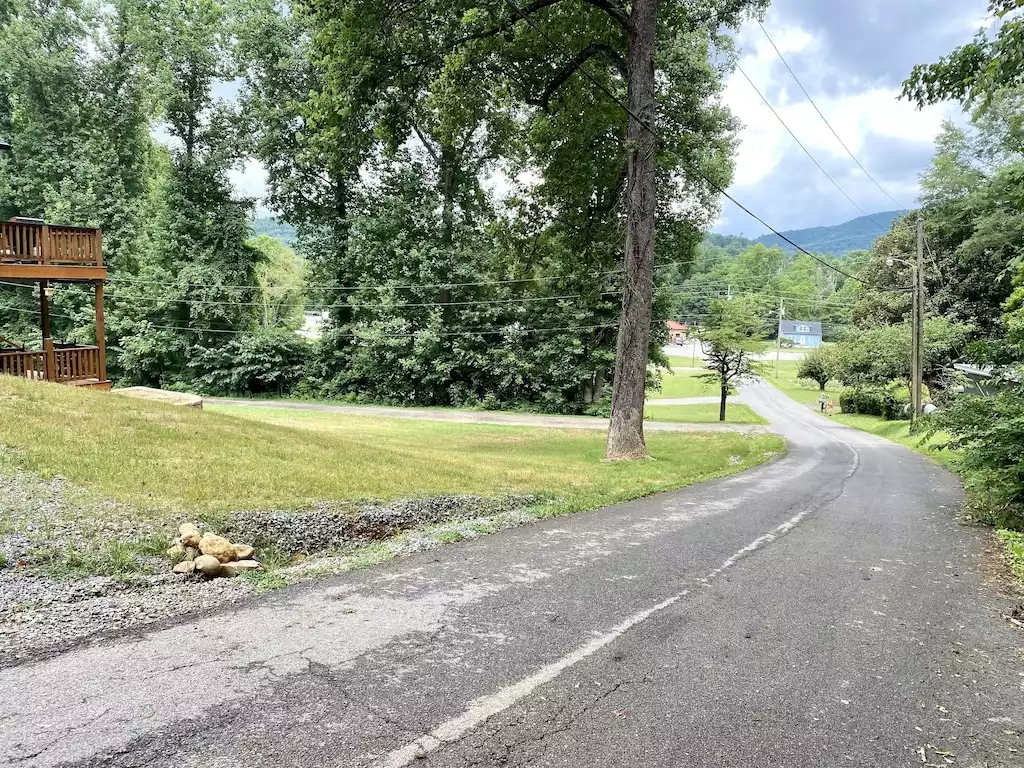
{"points": [[823, 610]]}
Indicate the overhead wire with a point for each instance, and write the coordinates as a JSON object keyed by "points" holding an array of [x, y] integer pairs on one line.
{"points": [[582, 69], [807, 152], [824, 119]]}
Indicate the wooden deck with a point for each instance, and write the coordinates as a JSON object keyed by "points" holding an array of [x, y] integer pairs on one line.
{"points": [[70, 365], [31, 250]]}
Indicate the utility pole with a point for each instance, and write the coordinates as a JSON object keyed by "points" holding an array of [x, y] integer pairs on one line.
{"points": [[917, 363], [778, 341]]}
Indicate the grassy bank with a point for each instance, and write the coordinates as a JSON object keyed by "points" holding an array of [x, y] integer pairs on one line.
{"points": [[684, 382], [801, 390], [160, 463]]}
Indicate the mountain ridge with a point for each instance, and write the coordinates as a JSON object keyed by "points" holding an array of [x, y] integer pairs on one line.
{"points": [[838, 239], [854, 235]]}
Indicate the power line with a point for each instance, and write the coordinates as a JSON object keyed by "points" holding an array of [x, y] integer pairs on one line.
{"points": [[807, 151], [640, 121], [827, 123], [380, 287]]}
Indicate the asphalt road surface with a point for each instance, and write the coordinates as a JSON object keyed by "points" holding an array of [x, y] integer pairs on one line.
{"points": [[826, 609]]}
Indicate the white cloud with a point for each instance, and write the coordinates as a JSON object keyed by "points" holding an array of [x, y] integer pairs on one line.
{"points": [[251, 181], [769, 160]]}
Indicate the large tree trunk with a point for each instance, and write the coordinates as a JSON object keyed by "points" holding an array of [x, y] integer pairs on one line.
{"points": [[721, 409], [626, 431]]}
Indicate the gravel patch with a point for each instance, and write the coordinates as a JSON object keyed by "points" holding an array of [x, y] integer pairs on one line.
{"points": [[340, 526], [41, 614]]}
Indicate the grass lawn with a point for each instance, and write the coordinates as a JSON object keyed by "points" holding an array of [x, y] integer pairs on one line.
{"points": [[163, 460], [684, 382], [801, 390], [735, 413]]}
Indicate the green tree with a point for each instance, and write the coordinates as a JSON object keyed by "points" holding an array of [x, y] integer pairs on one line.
{"points": [[976, 70], [879, 356], [197, 288], [819, 365], [733, 337], [281, 280], [572, 134]]}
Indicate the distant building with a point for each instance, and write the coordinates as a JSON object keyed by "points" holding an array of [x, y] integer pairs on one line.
{"points": [[803, 333], [677, 332], [312, 324]]}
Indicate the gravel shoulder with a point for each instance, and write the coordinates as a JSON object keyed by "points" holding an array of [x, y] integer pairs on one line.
{"points": [[42, 614]]}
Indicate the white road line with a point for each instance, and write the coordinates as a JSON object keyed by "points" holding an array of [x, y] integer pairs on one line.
{"points": [[482, 709]]}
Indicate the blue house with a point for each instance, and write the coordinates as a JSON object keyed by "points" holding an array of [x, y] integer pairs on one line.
{"points": [[803, 333]]}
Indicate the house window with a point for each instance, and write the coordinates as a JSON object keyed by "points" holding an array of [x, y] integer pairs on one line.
{"points": [[803, 329]]}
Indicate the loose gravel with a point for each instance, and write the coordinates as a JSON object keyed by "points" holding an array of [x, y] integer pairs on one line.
{"points": [[340, 526], [41, 614]]}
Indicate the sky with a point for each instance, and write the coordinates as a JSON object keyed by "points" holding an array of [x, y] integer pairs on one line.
{"points": [[852, 57]]}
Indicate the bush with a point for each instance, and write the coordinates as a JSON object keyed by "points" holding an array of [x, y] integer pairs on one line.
{"points": [[896, 403], [890, 403], [865, 401], [988, 435], [268, 361]]}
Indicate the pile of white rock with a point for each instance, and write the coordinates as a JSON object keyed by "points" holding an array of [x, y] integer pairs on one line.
{"points": [[195, 552]]}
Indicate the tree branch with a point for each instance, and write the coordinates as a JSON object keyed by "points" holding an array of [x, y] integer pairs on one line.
{"points": [[426, 145], [611, 7], [570, 67]]}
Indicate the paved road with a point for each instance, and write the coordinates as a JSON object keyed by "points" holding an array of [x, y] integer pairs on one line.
{"points": [[823, 610], [493, 417]]}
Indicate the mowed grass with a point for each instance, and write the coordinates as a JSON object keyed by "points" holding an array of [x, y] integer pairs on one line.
{"points": [[683, 382], [735, 413], [164, 459], [802, 390]]}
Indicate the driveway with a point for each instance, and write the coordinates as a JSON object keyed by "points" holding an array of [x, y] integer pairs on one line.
{"points": [[827, 609]]}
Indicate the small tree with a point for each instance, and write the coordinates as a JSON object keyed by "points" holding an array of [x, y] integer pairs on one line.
{"points": [[734, 335], [819, 365]]}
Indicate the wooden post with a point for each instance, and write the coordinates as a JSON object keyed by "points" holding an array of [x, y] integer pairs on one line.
{"points": [[49, 361], [101, 337], [44, 245]]}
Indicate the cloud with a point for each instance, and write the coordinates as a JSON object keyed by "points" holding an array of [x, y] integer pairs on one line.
{"points": [[852, 59]]}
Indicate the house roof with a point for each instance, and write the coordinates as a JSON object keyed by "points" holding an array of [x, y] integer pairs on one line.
{"points": [[672, 325], [790, 326]]}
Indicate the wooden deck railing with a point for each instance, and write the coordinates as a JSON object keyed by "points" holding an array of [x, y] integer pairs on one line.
{"points": [[76, 364], [23, 242], [69, 364], [30, 365]]}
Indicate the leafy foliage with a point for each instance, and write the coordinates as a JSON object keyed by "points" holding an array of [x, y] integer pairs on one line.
{"points": [[975, 70], [988, 434], [880, 355], [733, 337], [819, 365]]}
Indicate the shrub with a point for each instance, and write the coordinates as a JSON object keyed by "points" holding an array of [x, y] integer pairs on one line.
{"points": [[988, 435], [896, 403], [268, 361], [866, 401]]}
